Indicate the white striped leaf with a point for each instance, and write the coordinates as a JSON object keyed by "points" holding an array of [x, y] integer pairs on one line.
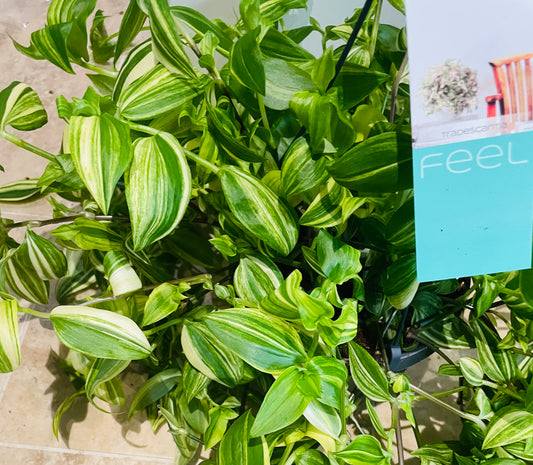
{"points": [[338, 261], [21, 108], [471, 370], [261, 212], [89, 234], [448, 333], [255, 277], [139, 61], [400, 230], [234, 448], [209, 356], [131, 24], [283, 404], [157, 92], [508, 426], [324, 418], [325, 211], [400, 284], [364, 450], [9, 336], [103, 371], [313, 310], [19, 191], [159, 168], [154, 388], [341, 330], [99, 333], [47, 260], [283, 301], [300, 172], [332, 374], [121, 276], [274, 10], [368, 375], [163, 301], [101, 151], [266, 342], [166, 39], [50, 43], [22, 278], [387, 170]]}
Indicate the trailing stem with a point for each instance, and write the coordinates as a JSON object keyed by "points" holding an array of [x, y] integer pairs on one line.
{"points": [[26, 145], [64, 219]]}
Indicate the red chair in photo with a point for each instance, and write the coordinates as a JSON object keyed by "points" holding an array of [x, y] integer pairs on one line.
{"points": [[514, 88]]}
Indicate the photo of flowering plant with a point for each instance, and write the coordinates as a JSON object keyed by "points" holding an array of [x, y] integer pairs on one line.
{"points": [[449, 86]]}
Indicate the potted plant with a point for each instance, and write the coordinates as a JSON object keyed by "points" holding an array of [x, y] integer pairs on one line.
{"points": [[243, 233]]}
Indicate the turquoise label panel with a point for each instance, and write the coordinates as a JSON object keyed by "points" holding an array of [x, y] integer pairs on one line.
{"points": [[474, 207]]}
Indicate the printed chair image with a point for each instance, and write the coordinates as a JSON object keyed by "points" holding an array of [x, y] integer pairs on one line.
{"points": [[514, 88]]}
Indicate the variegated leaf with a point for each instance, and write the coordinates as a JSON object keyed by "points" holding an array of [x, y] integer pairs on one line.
{"points": [[324, 418], [121, 276], [325, 211], [341, 330], [99, 333], [400, 284], [266, 342], [154, 388], [508, 426], [158, 92], [89, 234], [283, 301], [102, 371], [471, 370], [368, 375], [47, 260], [21, 108], [159, 167], [300, 171], [209, 356], [131, 24], [101, 151], [255, 277], [333, 375], [163, 301], [19, 191], [139, 61], [338, 261], [9, 336], [166, 39], [261, 212], [364, 450]]}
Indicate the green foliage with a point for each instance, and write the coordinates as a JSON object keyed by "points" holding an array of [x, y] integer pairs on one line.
{"points": [[228, 150]]}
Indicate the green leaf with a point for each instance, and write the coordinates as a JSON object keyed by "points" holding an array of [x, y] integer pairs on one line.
{"points": [[194, 382], [435, 453], [99, 333], [400, 230], [166, 39], [62, 409], [374, 419], [261, 212], [310, 457], [21, 108], [332, 374], [284, 403], [300, 171], [313, 310], [325, 211], [339, 261], [400, 284], [9, 336], [22, 278], [355, 83], [255, 278], [266, 342], [158, 92], [121, 276], [283, 301], [101, 47], [471, 370], [387, 170], [89, 234], [499, 365], [508, 427], [139, 61], [202, 347], [368, 375], [246, 63], [163, 301], [341, 330], [153, 389], [159, 167], [102, 371], [448, 333], [323, 418], [234, 445], [101, 151], [486, 295], [46, 259], [274, 10], [363, 450], [218, 422], [19, 191], [276, 44], [399, 5], [49, 43], [131, 24]]}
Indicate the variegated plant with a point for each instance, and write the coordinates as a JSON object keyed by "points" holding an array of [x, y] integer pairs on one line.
{"points": [[243, 224]]}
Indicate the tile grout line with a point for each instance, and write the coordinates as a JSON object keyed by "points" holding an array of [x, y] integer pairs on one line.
{"points": [[87, 453]]}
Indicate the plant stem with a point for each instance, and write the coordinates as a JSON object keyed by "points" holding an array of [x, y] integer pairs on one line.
{"points": [[97, 69], [450, 391], [395, 423], [215, 169], [31, 311], [64, 219], [142, 128], [503, 389], [166, 325], [286, 453], [395, 87], [262, 109], [433, 399], [26, 145], [375, 29]]}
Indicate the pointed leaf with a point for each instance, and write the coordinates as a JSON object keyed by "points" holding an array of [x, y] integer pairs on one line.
{"points": [[266, 342], [261, 212], [89, 234], [99, 333], [21, 108], [139, 61], [256, 277], [400, 284], [101, 151], [131, 24], [19, 191], [283, 301], [339, 261], [102, 371], [324, 418], [333, 375], [159, 167], [47, 260], [364, 450], [9, 336], [505, 428], [246, 63], [325, 211], [163, 301], [234, 445], [471, 370]]}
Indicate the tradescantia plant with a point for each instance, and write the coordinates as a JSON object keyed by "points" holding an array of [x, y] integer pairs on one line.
{"points": [[234, 217]]}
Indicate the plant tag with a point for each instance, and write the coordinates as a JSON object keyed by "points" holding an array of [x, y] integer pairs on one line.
{"points": [[472, 120]]}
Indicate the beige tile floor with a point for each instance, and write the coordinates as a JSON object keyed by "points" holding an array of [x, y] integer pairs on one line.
{"points": [[29, 396]]}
